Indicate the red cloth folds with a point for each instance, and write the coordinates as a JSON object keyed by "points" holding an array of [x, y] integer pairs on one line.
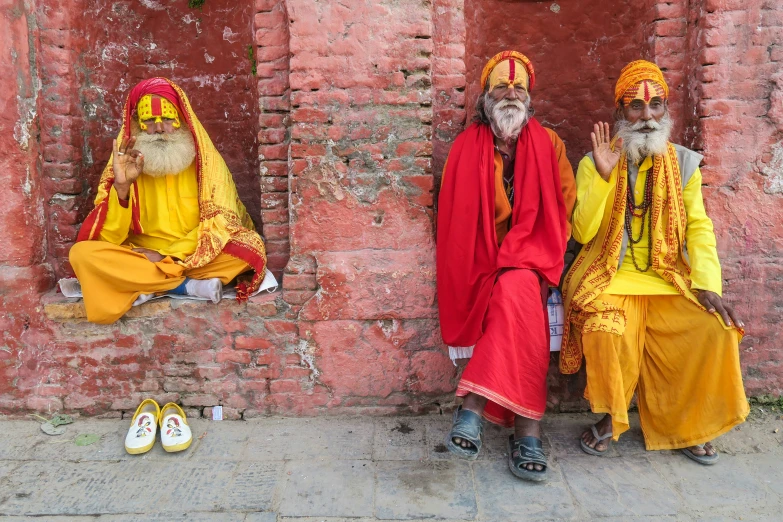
{"points": [[468, 256], [510, 361]]}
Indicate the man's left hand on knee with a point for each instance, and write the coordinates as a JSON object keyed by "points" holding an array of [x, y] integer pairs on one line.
{"points": [[713, 302]]}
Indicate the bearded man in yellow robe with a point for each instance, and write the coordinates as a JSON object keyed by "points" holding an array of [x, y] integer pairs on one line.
{"points": [[644, 296], [167, 217]]}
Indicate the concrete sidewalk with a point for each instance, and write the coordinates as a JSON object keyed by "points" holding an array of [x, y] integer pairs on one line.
{"points": [[339, 469]]}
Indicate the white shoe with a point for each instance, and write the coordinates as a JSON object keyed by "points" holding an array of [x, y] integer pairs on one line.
{"points": [[175, 433], [144, 427], [211, 289]]}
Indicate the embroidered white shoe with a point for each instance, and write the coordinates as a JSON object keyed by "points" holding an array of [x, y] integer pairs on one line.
{"points": [[175, 433], [141, 435]]}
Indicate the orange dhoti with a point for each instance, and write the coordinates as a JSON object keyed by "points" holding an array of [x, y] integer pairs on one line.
{"points": [[682, 362], [113, 277]]}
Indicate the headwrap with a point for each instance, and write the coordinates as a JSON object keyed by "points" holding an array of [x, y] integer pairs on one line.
{"points": [[640, 79], [224, 224], [508, 68], [152, 107]]}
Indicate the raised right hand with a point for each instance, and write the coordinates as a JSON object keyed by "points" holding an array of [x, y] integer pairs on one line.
{"points": [[604, 157], [127, 164]]}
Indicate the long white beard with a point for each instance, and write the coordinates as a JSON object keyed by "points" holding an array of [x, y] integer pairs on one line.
{"points": [[165, 154], [506, 117], [638, 145]]}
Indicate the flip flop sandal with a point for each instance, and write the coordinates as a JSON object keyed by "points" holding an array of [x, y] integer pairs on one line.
{"points": [[707, 460], [468, 426], [524, 451], [592, 451]]}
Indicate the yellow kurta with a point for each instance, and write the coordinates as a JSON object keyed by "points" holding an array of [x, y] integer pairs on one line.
{"points": [[592, 193], [168, 211]]}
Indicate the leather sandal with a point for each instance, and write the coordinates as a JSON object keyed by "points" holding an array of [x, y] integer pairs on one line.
{"points": [[524, 451], [468, 426]]}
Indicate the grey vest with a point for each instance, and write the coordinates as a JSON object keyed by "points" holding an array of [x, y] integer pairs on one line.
{"points": [[689, 161]]}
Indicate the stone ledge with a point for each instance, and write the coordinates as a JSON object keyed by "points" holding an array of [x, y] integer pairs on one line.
{"points": [[61, 309]]}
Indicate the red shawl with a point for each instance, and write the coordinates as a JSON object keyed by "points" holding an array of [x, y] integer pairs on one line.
{"points": [[468, 256]]}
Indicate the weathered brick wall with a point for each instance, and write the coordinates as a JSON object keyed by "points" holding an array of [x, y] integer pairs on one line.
{"points": [[357, 103], [274, 100]]}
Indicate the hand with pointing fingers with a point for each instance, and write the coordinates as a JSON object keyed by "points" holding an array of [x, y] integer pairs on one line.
{"points": [[604, 157], [127, 164]]}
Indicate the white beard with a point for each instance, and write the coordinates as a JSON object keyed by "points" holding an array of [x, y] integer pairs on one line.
{"points": [[164, 154], [638, 145], [506, 117]]}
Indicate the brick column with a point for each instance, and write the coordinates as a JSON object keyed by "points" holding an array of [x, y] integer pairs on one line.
{"points": [[271, 25]]}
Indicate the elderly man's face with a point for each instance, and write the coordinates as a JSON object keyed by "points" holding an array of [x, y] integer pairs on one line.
{"points": [[638, 110], [165, 126], [505, 92]]}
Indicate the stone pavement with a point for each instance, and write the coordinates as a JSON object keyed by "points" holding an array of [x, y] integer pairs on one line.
{"points": [[363, 469]]}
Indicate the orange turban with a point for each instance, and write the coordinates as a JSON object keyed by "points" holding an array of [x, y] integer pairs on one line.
{"points": [[644, 74], [509, 68]]}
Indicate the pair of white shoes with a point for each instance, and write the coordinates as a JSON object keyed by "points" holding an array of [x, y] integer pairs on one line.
{"points": [[175, 434]]}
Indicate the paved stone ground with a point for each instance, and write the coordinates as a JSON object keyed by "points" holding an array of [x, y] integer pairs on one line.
{"points": [[365, 469]]}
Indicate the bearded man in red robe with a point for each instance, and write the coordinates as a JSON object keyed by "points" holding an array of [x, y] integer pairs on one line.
{"points": [[503, 224]]}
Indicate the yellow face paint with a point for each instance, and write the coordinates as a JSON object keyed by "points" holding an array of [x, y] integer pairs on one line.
{"points": [[645, 90], [156, 108], [510, 73]]}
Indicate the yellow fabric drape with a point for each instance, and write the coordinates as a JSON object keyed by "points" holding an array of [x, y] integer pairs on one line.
{"points": [[681, 361], [596, 265], [113, 276], [168, 207], [592, 195]]}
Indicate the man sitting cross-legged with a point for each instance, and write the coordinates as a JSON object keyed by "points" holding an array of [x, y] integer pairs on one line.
{"points": [[167, 216]]}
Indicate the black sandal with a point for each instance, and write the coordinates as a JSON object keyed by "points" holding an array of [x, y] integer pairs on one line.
{"points": [[524, 451], [468, 426]]}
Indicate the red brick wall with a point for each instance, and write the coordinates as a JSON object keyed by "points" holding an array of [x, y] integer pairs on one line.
{"points": [[357, 103], [577, 49]]}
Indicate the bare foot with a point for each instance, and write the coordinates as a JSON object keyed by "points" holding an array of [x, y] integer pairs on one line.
{"points": [[706, 450]]}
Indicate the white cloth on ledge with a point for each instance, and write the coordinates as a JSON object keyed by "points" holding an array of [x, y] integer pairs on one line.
{"points": [[71, 288]]}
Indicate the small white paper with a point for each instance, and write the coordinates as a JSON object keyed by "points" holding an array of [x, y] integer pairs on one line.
{"points": [[217, 413]]}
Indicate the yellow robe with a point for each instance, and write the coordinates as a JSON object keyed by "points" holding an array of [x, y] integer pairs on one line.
{"points": [[682, 362], [169, 215], [112, 276]]}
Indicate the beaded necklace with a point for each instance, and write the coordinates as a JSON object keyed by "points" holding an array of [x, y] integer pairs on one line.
{"points": [[641, 211]]}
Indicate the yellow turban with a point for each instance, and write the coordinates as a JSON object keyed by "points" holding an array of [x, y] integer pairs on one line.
{"points": [[156, 108], [508, 68], [640, 79]]}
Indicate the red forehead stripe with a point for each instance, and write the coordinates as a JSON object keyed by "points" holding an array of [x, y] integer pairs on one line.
{"points": [[646, 92], [157, 110], [511, 70]]}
